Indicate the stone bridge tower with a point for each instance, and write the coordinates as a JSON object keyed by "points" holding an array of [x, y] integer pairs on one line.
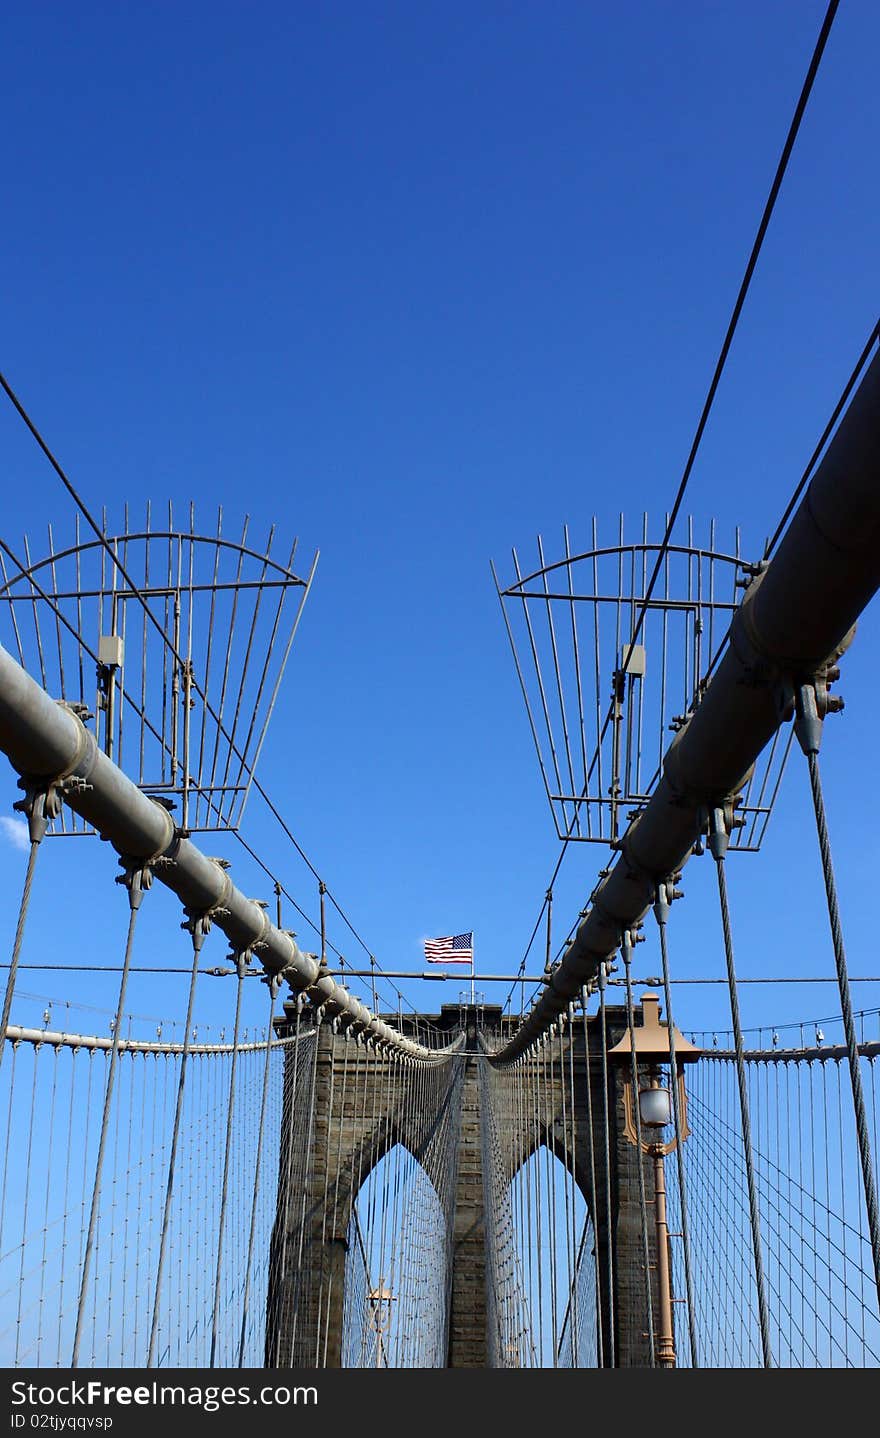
{"points": [[325, 1161]]}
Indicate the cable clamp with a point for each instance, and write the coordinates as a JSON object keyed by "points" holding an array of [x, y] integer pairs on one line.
{"points": [[666, 894], [137, 877], [273, 984], [812, 702], [718, 822], [629, 937], [41, 803]]}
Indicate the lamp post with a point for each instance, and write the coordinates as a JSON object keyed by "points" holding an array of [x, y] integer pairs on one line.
{"points": [[646, 1115]]}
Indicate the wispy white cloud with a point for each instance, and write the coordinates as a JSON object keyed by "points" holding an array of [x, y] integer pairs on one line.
{"points": [[15, 832]]}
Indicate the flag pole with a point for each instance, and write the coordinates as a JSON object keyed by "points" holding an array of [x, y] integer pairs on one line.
{"points": [[473, 992]]}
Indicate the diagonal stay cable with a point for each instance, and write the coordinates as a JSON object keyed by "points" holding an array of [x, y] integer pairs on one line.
{"points": [[770, 546], [808, 471], [739, 304]]}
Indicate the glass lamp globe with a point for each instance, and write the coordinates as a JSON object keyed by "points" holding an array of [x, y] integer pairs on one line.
{"points": [[655, 1107]]}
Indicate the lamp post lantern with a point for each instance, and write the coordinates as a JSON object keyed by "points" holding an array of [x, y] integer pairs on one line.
{"points": [[646, 1115]]}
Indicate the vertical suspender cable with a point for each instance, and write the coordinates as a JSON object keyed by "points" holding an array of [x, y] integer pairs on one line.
{"points": [[273, 984], [224, 1187], [136, 881], [808, 726], [25, 1208], [718, 840], [198, 936]]}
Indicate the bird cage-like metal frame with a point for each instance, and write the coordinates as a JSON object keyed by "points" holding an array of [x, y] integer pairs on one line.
{"points": [[180, 668], [600, 708]]}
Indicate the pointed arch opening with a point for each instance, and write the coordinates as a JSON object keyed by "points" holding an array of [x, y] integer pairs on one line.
{"points": [[397, 1275], [544, 1270]]}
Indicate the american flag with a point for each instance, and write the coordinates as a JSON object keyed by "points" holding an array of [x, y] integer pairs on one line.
{"points": [[450, 949]]}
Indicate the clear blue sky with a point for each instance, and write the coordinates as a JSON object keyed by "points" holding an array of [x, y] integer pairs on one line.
{"points": [[418, 282]]}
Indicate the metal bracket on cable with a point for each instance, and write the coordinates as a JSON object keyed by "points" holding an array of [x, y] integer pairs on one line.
{"points": [[628, 940], [719, 823], [314, 994], [44, 798], [810, 702], [167, 858], [198, 926], [198, 922], [241, 958], [137, 877], [42, 802], [666, 894], [273, 983], [259, 943]]}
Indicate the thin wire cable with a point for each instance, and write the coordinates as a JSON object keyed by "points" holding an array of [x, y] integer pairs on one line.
{"points": [[751, 265], [739, 303], [826, 433]]}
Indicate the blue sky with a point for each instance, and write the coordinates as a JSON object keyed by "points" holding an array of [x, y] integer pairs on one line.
{"points": [[417, 283]]}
